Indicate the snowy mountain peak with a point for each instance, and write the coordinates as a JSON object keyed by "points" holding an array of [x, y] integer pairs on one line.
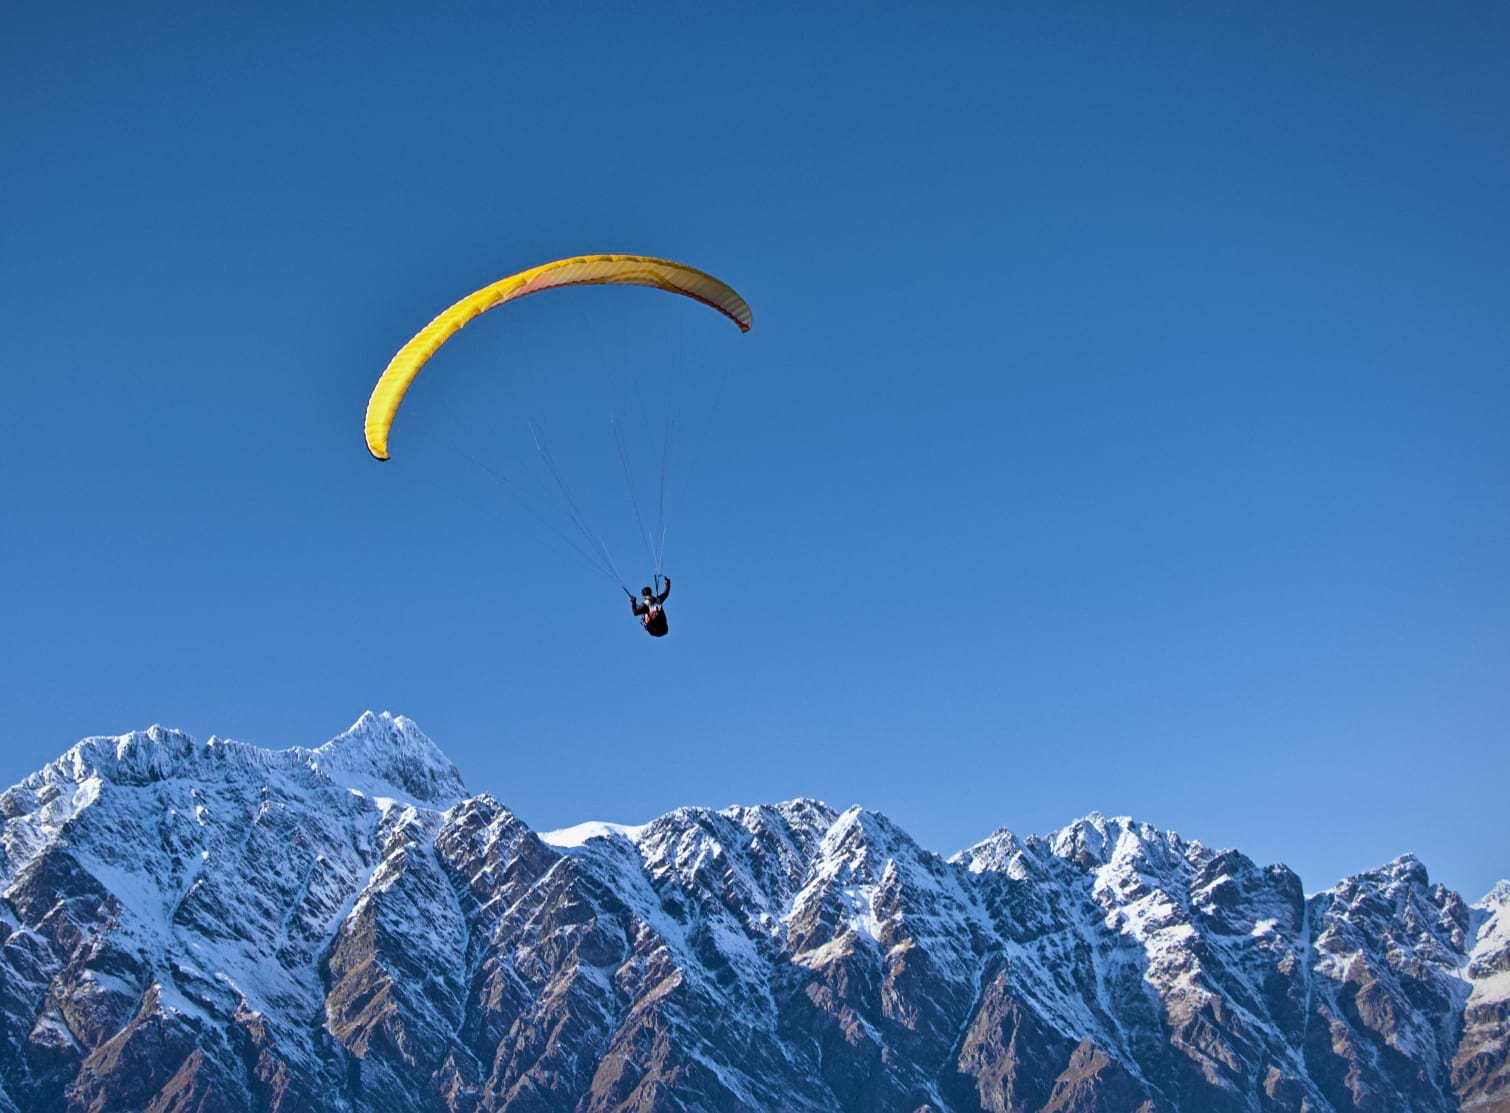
{"points": [[1489, 960], [1098, 841], [579, 833], [995, 852], [137, 756], [382, 752], [385, 754], [806, 812], [801, 821], [1405, 872], [1407, 867], [1497, 897], [864, 841]]}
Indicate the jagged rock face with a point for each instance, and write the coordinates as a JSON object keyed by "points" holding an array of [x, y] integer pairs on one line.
{"points": [[220, 927], [1481, 1067]]}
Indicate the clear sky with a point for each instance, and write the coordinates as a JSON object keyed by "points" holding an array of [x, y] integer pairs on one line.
{"points": [[1124, 425]]}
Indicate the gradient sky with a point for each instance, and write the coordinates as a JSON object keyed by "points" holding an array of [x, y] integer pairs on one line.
{"points": [[1124, 425]]}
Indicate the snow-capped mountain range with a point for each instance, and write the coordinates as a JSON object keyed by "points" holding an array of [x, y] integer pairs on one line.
{"points": [[215, 926]]}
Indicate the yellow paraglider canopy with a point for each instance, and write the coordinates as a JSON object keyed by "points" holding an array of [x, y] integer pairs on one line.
{"points": [[583, 270]]}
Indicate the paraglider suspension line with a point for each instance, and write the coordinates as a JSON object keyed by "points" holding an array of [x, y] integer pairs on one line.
{"points": [[593, 562], [574, 512], [634, 497], [660, 525]]}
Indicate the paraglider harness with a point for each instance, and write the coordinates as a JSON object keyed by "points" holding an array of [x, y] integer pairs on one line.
{"points": [[650, 609]]}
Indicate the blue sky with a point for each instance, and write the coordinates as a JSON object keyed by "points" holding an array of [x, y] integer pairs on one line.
{"points": [[1123, 425]]}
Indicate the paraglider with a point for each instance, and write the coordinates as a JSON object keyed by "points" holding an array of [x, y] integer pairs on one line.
{"points": [[650, 609], [582, 270]]}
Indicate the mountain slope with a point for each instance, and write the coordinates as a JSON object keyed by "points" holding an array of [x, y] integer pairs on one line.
{"points": [[216, 926]]}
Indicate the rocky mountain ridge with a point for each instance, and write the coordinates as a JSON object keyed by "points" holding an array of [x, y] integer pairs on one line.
{"points": [[217, 926]]}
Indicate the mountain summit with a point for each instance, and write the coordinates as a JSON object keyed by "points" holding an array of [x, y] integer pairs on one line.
{"points": [[218, 926], [383, 753]]}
